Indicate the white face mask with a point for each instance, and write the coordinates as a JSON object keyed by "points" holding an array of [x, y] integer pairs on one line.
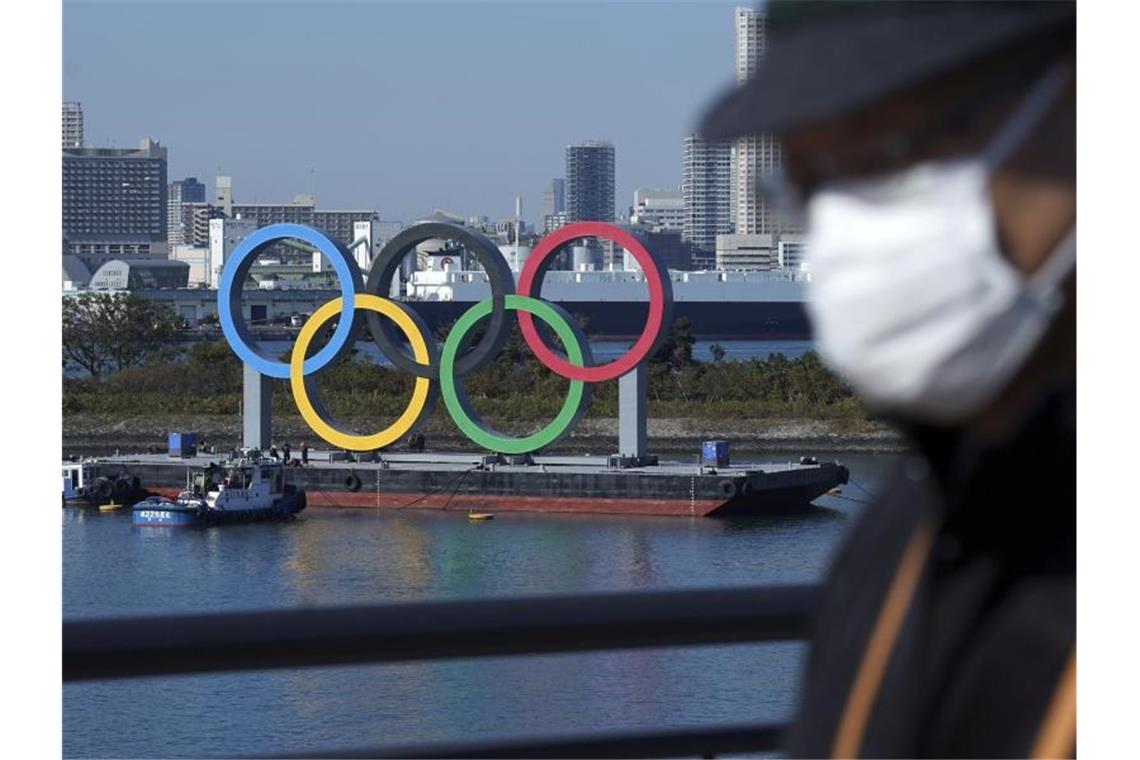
{"points": [[910, 296]]}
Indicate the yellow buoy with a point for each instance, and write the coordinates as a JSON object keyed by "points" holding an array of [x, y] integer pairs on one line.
{"points": [[480, 516], [110, 507]]}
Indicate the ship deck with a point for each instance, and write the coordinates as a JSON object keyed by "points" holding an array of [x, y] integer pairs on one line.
{"points": [[459, 462]]}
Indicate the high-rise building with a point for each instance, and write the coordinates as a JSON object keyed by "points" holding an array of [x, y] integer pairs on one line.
{"points": [[706, 184], [188, 190], [114, 201], [72, 125], [590, 181], [554, 197], [755, 156], [192, 191], [196, 222]]}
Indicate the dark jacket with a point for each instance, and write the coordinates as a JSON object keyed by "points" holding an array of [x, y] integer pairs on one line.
{"points": [[949, 618]]}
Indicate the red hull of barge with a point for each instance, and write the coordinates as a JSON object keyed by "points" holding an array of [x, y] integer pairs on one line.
{"points": [[460, 503]]}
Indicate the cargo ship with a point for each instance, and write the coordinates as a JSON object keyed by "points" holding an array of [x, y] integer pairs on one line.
{"points": [[610, 304], [494, 483]]}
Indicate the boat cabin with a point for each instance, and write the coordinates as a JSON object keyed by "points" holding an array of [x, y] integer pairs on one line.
{"points": [[76, 475], [247, 484]]}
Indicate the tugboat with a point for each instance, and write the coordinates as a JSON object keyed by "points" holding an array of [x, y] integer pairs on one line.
{"points": [[248, 489]]}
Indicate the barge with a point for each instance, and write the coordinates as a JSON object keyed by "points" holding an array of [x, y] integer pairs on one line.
{"points": [[494, 483]]}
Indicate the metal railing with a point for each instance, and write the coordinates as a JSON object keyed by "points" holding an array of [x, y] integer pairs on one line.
{"points": [[182, 644]]}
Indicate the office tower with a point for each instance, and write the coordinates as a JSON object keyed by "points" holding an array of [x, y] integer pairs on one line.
{"points": [[114, 201], [660, 210], [747, 252], [188, 190], [72, 125], [590, 181], [756, 156], [554, 205], [706, 184], [554, 197]]}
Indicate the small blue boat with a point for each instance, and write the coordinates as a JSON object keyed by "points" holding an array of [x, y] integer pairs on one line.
{"points": [[250, 489]]}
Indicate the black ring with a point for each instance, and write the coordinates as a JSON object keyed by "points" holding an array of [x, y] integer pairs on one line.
{"points": [[498, 273]]}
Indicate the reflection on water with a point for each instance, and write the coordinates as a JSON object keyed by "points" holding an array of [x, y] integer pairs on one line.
{"points": [[334, 557]]}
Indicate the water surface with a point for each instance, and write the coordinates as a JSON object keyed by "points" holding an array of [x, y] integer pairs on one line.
{"points": [[336, 557]]}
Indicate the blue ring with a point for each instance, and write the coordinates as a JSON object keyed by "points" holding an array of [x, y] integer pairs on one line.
{"points": [[234, 272]]}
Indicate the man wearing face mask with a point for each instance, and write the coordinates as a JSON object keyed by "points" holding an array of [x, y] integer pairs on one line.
{"points": [[932, 149]]}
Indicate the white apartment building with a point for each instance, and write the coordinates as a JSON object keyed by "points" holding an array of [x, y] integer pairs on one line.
{"points": [[225, 234], [706, 184], [661, 210], [758, 156]]}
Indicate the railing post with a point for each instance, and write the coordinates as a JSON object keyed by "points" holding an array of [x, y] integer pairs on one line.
{"points": [[256, 409]]}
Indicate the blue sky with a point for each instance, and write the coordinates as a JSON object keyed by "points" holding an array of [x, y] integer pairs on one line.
{"points": [[399, 107]]}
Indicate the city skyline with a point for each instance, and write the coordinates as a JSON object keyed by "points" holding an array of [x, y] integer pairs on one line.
{"points": [[491, 147]]}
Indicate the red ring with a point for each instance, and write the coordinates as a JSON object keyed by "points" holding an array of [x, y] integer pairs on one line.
{"points": [[653, 323]]}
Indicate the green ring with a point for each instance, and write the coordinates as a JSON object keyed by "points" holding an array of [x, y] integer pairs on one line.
{"points": [[458, 405]]}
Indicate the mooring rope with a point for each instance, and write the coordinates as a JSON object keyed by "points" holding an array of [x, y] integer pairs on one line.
{"points": [[458, 481]]}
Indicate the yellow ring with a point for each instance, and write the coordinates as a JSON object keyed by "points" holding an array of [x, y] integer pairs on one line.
{"points": [[297, 379]]}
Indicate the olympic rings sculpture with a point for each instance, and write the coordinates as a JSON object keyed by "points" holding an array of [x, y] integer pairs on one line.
{"points": [[440, 371]]}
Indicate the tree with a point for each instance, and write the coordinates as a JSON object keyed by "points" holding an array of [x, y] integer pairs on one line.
{"points": [[718, 352], [113, 331], [676, 349]]}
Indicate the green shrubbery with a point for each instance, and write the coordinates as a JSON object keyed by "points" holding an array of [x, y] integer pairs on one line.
{"points": [[513, 388]]}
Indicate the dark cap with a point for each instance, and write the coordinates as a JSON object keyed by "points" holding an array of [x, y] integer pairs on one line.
{"points": [[824, 59]]}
